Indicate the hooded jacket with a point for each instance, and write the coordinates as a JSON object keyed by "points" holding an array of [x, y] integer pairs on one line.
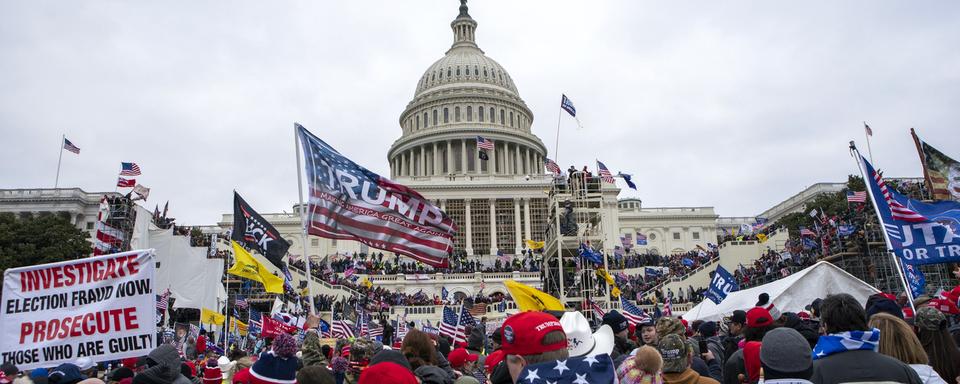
{"points": [[431, 374], [166, 368], [688, 376]]}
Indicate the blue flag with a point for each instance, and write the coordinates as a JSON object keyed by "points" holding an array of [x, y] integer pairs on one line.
{"points": [[915, 279], [590, 254], [641, 239], [722, 284], [809, 243], [846, 230], [567, 105], [919, 233], [626, 179], [444, 292], [324, 327], [688, 262], [652, 271], [591, 369]]}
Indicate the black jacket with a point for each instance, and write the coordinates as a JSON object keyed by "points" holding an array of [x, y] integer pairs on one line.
{"points": [[862, 366]]}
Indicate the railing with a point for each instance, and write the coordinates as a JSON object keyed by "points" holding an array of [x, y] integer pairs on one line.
{"points": [[476, 276], [681, 278], [349, 290], [493, 309]]}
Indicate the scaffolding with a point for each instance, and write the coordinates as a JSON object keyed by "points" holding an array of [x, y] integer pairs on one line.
{"points": [[122, 218], [575, 216]]}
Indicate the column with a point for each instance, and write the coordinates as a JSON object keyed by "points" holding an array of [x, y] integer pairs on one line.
{"points": [[403, 165], [463, 155], [526, 218], [450, 167], [516, 160], [526, 160], [443, 205], [436, 159], [493, 226], [423, 160], [493, 160], [516, 225], [469, 234]]}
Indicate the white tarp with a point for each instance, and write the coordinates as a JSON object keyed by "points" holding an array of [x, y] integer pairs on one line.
{"points": [[194, 280], [101, 307], [789, 294], [141, 228]]}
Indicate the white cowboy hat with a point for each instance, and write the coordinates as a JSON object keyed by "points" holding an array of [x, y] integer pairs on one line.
{"points": [[580, 341]]}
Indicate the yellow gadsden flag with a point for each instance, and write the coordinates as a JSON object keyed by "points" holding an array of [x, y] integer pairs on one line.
{"points": [[531, 299], [533, 244], [209, 316], [246, 266], [238, 326]]}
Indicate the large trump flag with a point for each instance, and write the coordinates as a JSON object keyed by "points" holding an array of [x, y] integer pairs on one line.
{"points": [[350, 202]]}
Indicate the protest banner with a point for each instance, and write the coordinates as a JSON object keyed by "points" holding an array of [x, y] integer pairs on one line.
{"points": [[102, 307], [722, 284]]}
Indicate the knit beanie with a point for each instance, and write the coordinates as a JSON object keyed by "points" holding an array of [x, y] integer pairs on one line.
{"points": [[785, 353], [278, 365]]}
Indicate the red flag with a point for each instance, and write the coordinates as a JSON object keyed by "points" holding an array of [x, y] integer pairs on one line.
{"points": [[272, 327], [126, 183]]}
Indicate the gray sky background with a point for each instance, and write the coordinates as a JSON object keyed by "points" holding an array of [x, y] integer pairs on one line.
{"points": [[734, 104]]}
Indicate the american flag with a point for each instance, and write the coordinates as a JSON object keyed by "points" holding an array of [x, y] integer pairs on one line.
{"points": [[126, 183], [897, 211], [341, 329], [255, 321], [633, 314], [241, 302], [577, 370], [856, 197], [667, 307], [448, 325], [70, 147], [599, 312], [552, 166], [484, 143], [360, 205], [401, 328], [867, 129], [605, 174], [108, 239], [806, 232], [163, 300], [129, 169]]}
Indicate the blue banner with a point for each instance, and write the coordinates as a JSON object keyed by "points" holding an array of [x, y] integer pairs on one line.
{"points": [[919, 233], [652, 272], [722, 284], [846, 230], [915, 279]]}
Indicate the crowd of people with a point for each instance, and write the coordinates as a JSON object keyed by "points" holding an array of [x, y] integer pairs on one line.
{"points": [[374, 264], [836, 339]]}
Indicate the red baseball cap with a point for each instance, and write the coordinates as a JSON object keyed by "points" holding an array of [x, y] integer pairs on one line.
{"points": [[492, 360], [387, 372], [460, 356], [759, 317], [523, 333]]}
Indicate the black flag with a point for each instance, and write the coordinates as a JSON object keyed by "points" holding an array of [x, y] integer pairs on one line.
{"points": [[483, 155], [251, 230]]}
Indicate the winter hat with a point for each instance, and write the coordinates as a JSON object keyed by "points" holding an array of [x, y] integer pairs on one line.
{"points": [[225, 364], [930, 319], [878, 303], [278, 365], [130, 362], [758, 317], [10, 370], [475, 341], [708, 329], [392, 357], [212, 373], [387, 372], [674, 351], [42, 372], [764, 302], [670, 325], [523, 333], [84, 363], [643, 368], [617, 322], [739, 317], [193, 367], [786, 354]]}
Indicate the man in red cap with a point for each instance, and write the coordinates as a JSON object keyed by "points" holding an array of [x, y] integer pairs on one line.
{"points": [[530, 338], [463, 362]]}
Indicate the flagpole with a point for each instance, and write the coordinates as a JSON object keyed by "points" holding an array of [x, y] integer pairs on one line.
{"points": [[226, 306], [56, 182], [303, 217], [869, 151], [886, 237], [556, 146]]}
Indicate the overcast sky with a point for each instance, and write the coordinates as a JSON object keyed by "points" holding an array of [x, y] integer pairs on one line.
{"points": [[736, 105]]}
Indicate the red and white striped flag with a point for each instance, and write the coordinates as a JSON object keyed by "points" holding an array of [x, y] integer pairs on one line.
{"points": [[70, 147], [856, 197], [126, 183], [605, 174], [552, 166], [897, 211], [667, 307], [483, 143], [164, 300]]}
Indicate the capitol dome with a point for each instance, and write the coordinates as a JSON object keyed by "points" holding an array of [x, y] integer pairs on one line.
{"points": [[461, 96]]}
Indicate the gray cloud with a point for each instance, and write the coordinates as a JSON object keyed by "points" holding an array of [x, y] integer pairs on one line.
{"points": [[737, 105]]}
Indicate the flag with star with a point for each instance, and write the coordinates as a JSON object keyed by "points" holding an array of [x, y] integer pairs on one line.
{"points": [[575, 370]]}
